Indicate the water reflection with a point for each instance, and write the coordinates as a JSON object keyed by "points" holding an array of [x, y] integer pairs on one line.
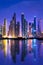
{"points": [[12, 48], [4, 43], [24, 50]]}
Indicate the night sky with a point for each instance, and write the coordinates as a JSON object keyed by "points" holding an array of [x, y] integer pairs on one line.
{"points": [[30, 8]]}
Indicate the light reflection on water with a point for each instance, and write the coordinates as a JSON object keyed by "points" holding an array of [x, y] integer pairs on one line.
{"points": [[28, 51]]}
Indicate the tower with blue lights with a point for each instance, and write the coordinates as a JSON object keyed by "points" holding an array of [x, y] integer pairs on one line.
{"points": [[34, 25]]}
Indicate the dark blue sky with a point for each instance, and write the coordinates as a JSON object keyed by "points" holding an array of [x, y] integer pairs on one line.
{"points": [[7, 3]]}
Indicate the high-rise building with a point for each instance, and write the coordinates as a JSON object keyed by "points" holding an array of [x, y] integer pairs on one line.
{"points": [[14, 23], [30, 26], [34, 22], [22, 22], [34, 25], [9, 32], [17, 28], [30, 29], [23, 25], [4, 28], [1, 36], [14, 18], [39, 27], [12, 26], [0, 30]]}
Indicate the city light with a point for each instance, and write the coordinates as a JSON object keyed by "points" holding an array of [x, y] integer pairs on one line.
{"points": [[26, 30], [9, 36]]}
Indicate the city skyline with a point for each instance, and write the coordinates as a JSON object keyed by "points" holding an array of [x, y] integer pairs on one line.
{"points": [[22, 28]]}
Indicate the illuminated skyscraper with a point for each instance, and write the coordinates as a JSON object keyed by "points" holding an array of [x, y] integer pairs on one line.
{"points": [[23, 25], [30, 29], [30, 26], [34, 25], [1, 36], [39, 26], [12, 26], [4, 28], [22, 22], [17, 28], [0, 31], [9, 32], [14, 23]]}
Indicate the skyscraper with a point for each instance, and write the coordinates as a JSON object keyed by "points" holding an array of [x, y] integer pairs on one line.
{"points": [[30, 26], [4, 28], [12, 26], [17, 28], [34, 25], [23, 25], [1, 36], [0, 30], [34, 22], [14, 23], [22, 22], [39, 26]]}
